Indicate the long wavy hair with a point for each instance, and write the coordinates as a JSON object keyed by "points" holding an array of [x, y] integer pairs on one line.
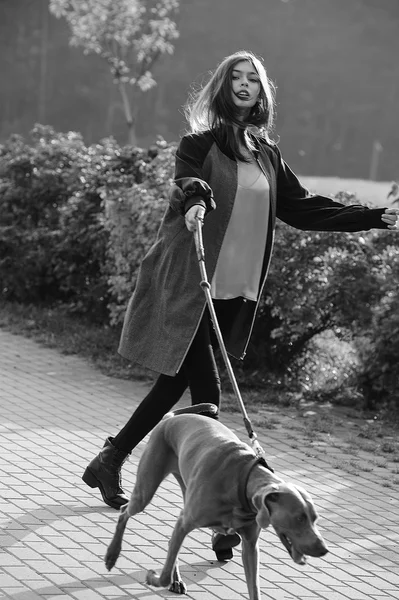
{"points": [[212, 107]]}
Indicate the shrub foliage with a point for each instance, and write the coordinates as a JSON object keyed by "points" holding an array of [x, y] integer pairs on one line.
{"points": [[76, 221]]}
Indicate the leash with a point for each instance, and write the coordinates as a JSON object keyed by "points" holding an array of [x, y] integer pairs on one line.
{"points": [[205, 285]]}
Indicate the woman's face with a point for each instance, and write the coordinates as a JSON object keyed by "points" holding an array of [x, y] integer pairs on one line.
{"points": [[245, 85]]}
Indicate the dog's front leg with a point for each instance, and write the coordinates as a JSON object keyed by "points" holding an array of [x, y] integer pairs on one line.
{"points": [[170, 575], [114, 548], [250, 559]]}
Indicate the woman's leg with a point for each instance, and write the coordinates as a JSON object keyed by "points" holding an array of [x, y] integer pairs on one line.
{"points": [[199, 371], [204, 381], [200, 366], [225, 310], [164, 394], [104, 471]]}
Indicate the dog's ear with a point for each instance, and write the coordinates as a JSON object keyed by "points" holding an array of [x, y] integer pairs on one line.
{"points": [[259, 501], [309, 503]]}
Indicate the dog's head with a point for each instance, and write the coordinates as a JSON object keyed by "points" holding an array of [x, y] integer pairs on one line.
{"points": [[292, 513]]}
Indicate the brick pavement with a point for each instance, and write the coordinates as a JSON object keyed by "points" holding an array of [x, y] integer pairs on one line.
{"points": [[55, 413]]}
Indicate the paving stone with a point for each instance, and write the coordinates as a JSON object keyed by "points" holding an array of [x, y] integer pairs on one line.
{"points": [[56, 413]]}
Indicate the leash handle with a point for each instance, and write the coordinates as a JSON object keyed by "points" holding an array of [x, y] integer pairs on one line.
{"points": [[207, 290], [199, 244]]}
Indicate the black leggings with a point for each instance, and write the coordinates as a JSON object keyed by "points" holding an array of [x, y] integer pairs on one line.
{"points": [[198, 372]]}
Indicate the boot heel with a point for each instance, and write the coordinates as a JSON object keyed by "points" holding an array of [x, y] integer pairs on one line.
{"points": [[89, 479]]}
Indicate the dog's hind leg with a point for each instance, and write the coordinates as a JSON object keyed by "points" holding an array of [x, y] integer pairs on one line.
{"points": [[147, 483], [153, 467], [170, 575], [156, 462]]}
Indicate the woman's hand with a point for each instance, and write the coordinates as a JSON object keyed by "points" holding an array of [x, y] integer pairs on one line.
{"points": [[194, 214], [391, 217]]}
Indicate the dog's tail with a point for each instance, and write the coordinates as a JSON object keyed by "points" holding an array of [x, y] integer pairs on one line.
{"points": [[206, 408]]}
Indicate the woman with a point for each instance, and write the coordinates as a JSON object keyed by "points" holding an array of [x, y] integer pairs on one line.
{"points": [[231, 175]]}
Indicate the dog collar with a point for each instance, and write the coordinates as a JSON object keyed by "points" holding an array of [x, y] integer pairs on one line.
{"points": [[261, 461], [243, 488]]}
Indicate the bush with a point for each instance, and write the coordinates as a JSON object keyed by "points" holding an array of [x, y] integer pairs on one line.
{"points": [[132, 218], [36, 180], [379, 375], [53, 240], [313, 286], [77, 221], [82, 249]]}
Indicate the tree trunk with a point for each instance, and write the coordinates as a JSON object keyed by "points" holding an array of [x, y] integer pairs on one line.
{"points": [[42, 100], [130, 121]]}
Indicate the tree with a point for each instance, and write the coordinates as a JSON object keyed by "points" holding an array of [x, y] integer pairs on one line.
{"points": [[131, 35]]}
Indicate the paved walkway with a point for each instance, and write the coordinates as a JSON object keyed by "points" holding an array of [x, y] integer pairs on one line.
{"points": [[55, 413]]}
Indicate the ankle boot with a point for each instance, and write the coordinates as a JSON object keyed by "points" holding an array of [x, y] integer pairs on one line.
{"points": [[104, 472], [222, 545]]}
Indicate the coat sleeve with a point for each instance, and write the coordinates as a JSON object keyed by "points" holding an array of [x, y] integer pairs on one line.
{"points": [[190, 187], [296, 206]]}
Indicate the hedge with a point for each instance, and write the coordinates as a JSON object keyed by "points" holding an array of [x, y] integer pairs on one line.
{"points": [[76, 221]]}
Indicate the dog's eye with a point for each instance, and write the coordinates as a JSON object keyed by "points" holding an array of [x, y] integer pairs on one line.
{"points": [[301, 518]]}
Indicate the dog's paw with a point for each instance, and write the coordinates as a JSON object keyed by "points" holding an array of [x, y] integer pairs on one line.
{"points": [[178, 587], [109, 561], [111, 557]]}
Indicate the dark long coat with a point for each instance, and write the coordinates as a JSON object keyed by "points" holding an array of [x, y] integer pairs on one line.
{"points": [[167, 305]]}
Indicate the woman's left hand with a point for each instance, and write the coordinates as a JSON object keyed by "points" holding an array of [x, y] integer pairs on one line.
{"points": [[391, 217], [193, 215]]}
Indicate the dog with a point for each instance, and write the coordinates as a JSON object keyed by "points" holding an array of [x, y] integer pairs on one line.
{"points": [[225, 487]]}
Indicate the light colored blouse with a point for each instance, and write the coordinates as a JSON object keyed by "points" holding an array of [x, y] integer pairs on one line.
{"points": [[239, 264]]}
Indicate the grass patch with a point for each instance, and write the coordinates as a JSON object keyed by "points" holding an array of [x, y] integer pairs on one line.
{"points": [[266, 422], [371, 431], [310, 454], [294, 427], [349, 466], [319, 424], [365, 445], [351, 449], [388, 447], [381, 463], [365, 468]]}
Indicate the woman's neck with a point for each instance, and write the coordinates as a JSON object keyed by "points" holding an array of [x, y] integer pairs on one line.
{"points": [[245, 151], [237, 129]]}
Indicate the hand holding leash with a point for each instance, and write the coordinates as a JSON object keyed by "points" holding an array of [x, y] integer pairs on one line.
{"points": [[194, 214]]}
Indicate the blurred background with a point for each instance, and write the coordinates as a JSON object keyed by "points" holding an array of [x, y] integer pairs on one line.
{"points": [[335, 64]]}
